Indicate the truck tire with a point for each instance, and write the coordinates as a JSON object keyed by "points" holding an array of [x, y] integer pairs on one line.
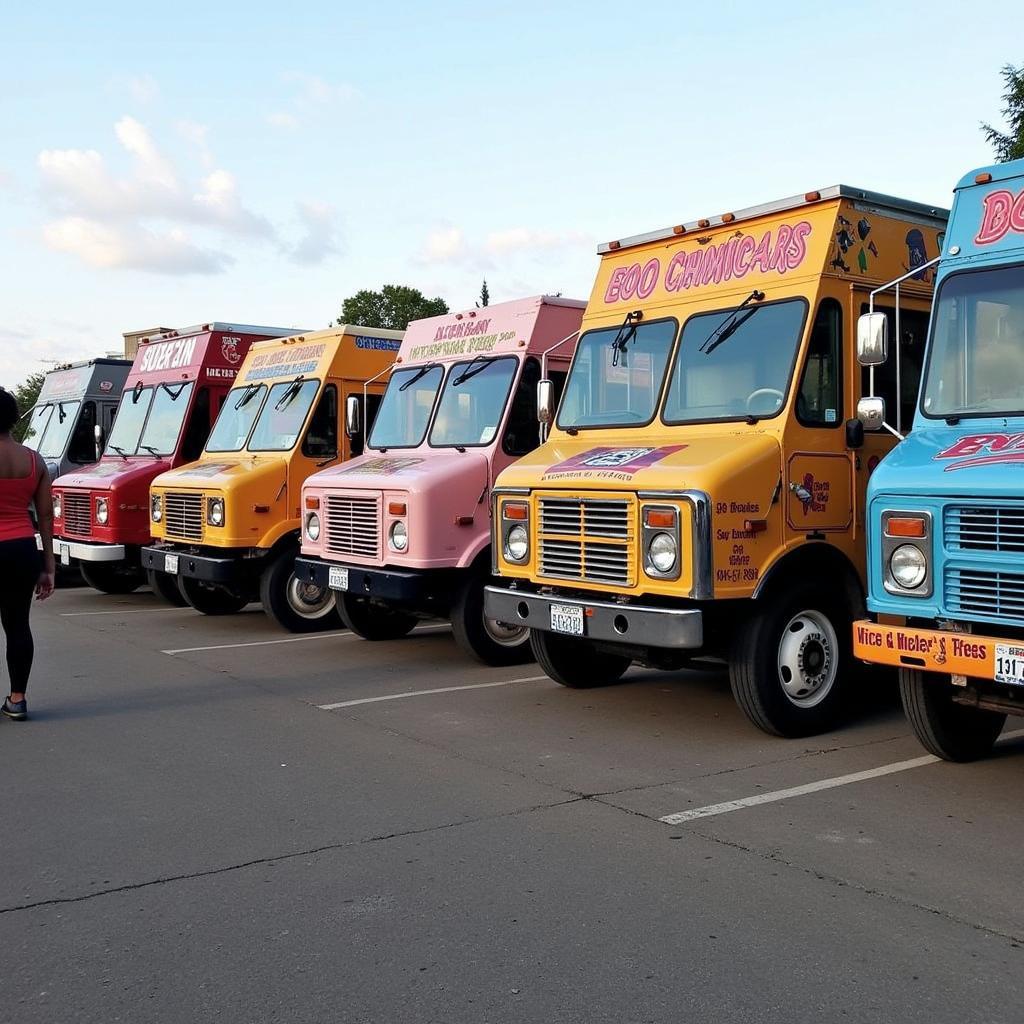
{"points": [[791, 667], [165, 586], [298, 606], [951, 731], [374, 620], [489, 641], [211, 598], [111, 577], [575, 663]]}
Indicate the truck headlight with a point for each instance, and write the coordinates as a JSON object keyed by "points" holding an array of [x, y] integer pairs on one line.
{"points": [[517, 543], [215, 511], [661, 541], [57, 506], [399, 536], [663, 552], [313, 526], [156, 507], [515, 531], [908, 566], [102, 511]]}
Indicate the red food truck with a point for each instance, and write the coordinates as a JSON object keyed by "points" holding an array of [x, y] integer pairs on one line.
{"points": [[173, 393]]}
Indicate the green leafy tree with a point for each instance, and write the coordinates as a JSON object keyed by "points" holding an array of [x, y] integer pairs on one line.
{"points": [[485, 295], [1009, 145], [26, 393], [392, 308]]}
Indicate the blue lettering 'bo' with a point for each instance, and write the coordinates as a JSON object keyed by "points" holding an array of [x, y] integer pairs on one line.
{"points": [[380, 344]]}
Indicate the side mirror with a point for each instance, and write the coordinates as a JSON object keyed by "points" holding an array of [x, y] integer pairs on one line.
{"points": [[352, 416], [545, 401], [97, 433], [872, 339], [854, 434], [871, 413]]}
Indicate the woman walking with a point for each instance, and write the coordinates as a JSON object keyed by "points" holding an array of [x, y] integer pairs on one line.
{"points": [[23, 480]]}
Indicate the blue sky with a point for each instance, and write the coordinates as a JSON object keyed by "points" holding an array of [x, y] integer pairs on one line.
{"points": [[257, 163]]}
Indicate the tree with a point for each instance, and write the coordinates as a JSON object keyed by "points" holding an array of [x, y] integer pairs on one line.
{"points": [[485, 295], [392, 308], [1010, 146], [26, 394]]}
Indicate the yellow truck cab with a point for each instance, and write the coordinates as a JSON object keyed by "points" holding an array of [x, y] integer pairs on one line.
{"points": [[227, 526], [701, 493]]}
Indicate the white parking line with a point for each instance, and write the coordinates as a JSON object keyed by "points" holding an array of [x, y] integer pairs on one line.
{"points": [[425, 693], [811, 787], [123, 611], [290, 640]]}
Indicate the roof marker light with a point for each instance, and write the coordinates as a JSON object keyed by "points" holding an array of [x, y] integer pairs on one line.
{"points": [[982, 179], [812, 197], [614, 245], [728, 218], [679, 230], [704, 223]]}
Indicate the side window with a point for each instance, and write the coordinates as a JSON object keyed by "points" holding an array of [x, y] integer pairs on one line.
{"points": [[83, 441], [369, 411], [819, 402], [913, 334], [321, 440], [198, 428], [522, 432]]}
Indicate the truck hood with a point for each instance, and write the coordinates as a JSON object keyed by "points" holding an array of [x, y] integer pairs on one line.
{"points": [[220, 474], [428, 472], [112, 474], [657, 464], [984, 459]]}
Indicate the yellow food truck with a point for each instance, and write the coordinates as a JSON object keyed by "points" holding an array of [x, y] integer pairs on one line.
{"points": [[227, 526], [701, 493]]}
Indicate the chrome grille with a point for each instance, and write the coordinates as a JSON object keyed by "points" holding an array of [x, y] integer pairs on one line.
{"points": [[985, 592], [76, 509], [586, 539], [183, 515], [352, 526], [984, 528]]}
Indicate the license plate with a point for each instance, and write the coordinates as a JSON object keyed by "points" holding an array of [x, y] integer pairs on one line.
{"points": [[567, 618], [171, 564], [337, 577], [1009, 664], [65, 554]]}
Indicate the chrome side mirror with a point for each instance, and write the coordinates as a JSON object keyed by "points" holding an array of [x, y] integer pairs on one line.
{"points": [[545, 401], [97, 433], [872, 339], [352, 417], [871, 412]]}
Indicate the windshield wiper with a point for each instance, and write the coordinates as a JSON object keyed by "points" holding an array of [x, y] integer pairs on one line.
{"points": [[469, 373], [624, 335], [120, 451], [152, 451], [247, 395], [732, 323], [61, 413], [175, 395], [422, 371], [290, 392]]}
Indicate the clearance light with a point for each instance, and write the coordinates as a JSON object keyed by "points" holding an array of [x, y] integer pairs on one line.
{"points": [[397, 508], [982, 179], [679, 230], [728, 218], [704, 223], [515, 510], [812, 197], [312, 502], [614, 245], [907, 526], [659, 517], [755, 525]]}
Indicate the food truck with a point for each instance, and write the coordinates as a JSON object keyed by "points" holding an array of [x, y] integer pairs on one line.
{"points": [[74, 413], [405, 528], [946, 507], [227, 526], [176, 385], [701, 491]]}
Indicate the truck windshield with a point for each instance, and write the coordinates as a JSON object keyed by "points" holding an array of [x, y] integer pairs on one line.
{"points": [[170, 403], [976, 365], [473, 402], [282, 416], [131, 415], [736, 373], [236, 417], [37, 426], [617, 375], [62, 422], [406, 407]]}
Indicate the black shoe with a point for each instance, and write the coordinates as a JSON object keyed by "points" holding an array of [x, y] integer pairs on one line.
{"points": [[16, 710]]}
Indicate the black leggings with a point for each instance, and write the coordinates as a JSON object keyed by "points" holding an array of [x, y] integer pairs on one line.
{"points": [[19, 572]]}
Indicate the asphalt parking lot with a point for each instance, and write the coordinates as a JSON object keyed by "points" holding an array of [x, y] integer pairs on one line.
{"points": [[208, 818]]}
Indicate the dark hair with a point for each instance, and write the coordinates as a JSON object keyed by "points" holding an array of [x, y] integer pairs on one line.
{"points": [[9, 414]]}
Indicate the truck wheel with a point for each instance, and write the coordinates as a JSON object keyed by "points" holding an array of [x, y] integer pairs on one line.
{"points": [[951, 731], [165, 586], [297, 605], [575, 663], [211, 598], [111, 577], [790, 667], [373, 620], [487, 640]]}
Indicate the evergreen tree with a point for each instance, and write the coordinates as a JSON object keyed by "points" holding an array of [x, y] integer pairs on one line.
{"points": [[1009, 145]]}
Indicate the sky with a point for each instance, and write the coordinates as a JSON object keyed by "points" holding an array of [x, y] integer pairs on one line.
{"points": [[168, 165]]}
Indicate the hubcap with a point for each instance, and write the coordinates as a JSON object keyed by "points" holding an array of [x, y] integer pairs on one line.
{"points": [[807, 661], [505, 635], [309, 600]]}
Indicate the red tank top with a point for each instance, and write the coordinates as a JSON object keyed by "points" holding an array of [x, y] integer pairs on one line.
{"points": [[16, 495]]}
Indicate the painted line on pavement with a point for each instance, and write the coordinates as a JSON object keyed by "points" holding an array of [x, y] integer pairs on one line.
{"points": [[425, 693], [125, 611], [681, 817]]}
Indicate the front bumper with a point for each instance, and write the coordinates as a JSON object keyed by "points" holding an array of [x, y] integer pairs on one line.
{"points": [[402, 586], [85, 552], [636, 625], [227, 569]]}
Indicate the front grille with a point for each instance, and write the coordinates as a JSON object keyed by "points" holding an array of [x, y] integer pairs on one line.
{"points": [[352, 526], [587, 539], [76, 509], [984, 528], [183, 516], [985, 592]]}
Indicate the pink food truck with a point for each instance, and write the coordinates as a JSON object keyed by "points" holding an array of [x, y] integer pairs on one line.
{"points": [[404, 529]]}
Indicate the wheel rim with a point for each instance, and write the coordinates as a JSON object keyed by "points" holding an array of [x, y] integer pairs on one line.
{"points": [[308, 600], [808, 661], [505, 635]]}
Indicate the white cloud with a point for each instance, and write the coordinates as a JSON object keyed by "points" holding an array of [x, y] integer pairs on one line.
{"points": [[197, 135], [446, 245], [311, 94], [321, 234], [526, 239], [449, 246]]}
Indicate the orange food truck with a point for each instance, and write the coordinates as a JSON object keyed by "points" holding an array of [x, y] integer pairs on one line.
{"points": [[702, 489]]}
